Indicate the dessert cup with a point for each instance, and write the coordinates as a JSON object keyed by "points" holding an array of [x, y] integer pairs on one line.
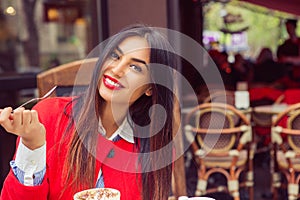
{"points": [[98, 194]]}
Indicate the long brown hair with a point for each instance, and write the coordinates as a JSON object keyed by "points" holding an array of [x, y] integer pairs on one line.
{"points": [[156, 167]]}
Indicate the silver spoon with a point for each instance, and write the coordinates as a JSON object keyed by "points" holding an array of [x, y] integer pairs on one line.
{"points": [[39, 98]]}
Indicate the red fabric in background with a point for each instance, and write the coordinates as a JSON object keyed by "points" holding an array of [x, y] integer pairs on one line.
{"points": [[263, 96], [291, 96], [260, 93]]}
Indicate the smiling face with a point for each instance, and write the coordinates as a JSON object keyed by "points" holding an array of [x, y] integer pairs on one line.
{"points": [[125, 74]]}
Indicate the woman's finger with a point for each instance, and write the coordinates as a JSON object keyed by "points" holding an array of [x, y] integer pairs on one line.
{"points": [[26, 118], [34, 116], [17, 117], [4, 118]]}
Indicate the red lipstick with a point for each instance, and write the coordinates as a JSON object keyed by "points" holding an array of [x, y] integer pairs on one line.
{"points": [[112, 83]]}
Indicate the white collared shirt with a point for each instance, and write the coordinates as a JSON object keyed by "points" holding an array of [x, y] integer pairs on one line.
{"points": [[34, 161], [125, 131]]}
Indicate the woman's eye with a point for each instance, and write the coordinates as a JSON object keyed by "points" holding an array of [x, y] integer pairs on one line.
{"points": [[114, 55], [136, 68]]}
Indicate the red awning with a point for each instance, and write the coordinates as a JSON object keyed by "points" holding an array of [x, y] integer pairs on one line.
{"points": [[289, 6]]}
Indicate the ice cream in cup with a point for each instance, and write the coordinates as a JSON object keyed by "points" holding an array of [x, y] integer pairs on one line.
{"points": [[98, 194]]}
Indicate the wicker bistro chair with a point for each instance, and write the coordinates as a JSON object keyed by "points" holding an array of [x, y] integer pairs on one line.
{"points": [[221, 146], [70, 78], [286, 140]]}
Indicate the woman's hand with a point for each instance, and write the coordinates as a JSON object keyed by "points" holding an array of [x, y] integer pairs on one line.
{"points": [[24, 123]]}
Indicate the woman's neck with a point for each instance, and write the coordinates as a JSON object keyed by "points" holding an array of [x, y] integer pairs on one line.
{"points": [[111, 117]]}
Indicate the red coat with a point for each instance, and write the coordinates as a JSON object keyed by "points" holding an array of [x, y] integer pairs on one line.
{"points": [[51, 115]]}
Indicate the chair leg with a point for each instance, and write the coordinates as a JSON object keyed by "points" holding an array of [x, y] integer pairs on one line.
{"points": [[251, 193], [274, 169], [250, 176], [275, 184], [250, 184], [293, 191], [201, 187], [236, 198], [233, 188]]}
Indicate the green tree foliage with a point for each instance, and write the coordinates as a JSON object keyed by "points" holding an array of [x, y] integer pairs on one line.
{"points": [[266, 27]]}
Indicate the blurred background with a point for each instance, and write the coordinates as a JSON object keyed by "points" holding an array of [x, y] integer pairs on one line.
{"points": [[36, 35]]}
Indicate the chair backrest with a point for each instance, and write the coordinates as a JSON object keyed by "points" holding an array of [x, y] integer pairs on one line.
{"points": [[220, 96], [215, 126], [263, 96], [294, 123], [215, 118], [286, 128], [66, 77]]}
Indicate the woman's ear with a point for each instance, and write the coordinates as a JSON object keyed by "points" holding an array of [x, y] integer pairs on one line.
{"points": [[149, 92]]}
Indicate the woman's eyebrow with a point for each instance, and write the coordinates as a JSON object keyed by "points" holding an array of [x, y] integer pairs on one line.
{"points": [[140, 61], [133, 59], [119, 50]]}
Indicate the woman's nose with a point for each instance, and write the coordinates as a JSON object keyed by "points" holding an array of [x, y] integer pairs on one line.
{"points": [[119, 69]]}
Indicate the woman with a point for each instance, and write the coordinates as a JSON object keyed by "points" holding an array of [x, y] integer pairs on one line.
{"points": [[133, 75]]}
